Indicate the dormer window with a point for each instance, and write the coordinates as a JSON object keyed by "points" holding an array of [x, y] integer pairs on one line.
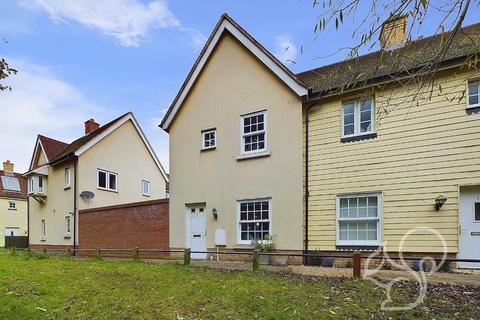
{"points": [[67, 177]]}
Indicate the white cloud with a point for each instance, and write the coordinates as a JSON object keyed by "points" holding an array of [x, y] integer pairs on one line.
{"points": [[39, 103], [126, 20], [285, 50]]}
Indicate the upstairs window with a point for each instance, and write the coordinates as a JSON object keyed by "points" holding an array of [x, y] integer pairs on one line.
{"points": [[209, 139], [106, 180], [473, 94], [254, 129], [357, 117], [40, 184], [12, 205], [146, 188], [67, 177], [30, 184]]}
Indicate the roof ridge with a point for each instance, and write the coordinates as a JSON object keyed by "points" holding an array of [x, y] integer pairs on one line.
{"points": [[391, 52]]}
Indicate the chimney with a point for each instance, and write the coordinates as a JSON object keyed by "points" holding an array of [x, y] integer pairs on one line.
{"points": [[91, 125], [8, 167], [393, 33]]}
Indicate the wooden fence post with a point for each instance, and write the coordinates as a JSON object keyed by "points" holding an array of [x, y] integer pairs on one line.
{"points": [[136, 254], [68, 253], [186, 257], [357, 264], [256, 260], [12, 251], [98, 253], [44, 251]]}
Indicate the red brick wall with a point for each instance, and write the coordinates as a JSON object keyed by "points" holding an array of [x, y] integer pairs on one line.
{"points": [[141, 224]]}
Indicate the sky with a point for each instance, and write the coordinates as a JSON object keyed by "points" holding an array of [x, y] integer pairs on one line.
{"points": [[81, 59]]}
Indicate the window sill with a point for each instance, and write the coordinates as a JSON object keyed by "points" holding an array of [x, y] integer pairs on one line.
{"points": [[146, 195], [43, 239], [66, 187], [253, 155], [359, 137], [357, 247], [12, 209], [103, 189], [473, 110], [67, 236], [208, 149]]}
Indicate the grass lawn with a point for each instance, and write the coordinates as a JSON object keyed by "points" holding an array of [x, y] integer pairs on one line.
{"points": [[41, 287]]}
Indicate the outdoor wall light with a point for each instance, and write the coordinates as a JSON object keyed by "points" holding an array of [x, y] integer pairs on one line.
{"points": [[439, 202], [215, 214]]}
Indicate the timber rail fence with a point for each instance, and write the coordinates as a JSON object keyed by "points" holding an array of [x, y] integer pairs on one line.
{"points": [[356, 257]]}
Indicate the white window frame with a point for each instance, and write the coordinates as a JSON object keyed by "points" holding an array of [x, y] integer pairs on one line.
{"points": [[10, 207], [43, 230], [68, 225], [204, 133], [469, 83], [146, 182], [41, 188], [356, 117], [243, 134], [30, 184], [239, 227], [107, 180], [378, 219], [68, 177]]}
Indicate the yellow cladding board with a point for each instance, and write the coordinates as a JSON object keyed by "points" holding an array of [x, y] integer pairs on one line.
{"points": [[12, 218], [233, 83], [422, 150]]}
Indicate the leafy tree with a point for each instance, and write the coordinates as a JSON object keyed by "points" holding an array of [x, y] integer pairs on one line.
{"points": [[5, 72]]}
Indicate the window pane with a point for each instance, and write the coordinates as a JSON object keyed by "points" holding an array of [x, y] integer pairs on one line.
{"points": [[348, 108], [343, 212], [344, 203], [372, 201], [365, 126], [102, 179], [473, 100], [348, 119], [348, 130], [477, 211], [473, 89], [366, 105], [365, 116], [112, 181]]}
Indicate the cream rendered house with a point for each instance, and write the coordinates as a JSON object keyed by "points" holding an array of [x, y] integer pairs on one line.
{"points": [[13, 203], [246, 136], [114, 162]]}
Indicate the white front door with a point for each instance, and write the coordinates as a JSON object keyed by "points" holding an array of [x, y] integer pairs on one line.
{"points": [[12, 232], [469, 227], [197, 231]]}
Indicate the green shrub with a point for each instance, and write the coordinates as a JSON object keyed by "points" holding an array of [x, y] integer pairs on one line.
{"points": [[386, 266], [349, 264]]}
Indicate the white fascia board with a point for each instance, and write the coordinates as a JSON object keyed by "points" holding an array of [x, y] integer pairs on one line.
{"points": [[253, 48], [115, 126]]}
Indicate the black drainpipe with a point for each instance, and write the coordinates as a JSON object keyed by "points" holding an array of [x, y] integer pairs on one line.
{"points": [[74, 205], [307, 194]]}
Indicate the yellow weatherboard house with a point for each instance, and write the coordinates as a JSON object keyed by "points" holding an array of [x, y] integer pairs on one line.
{"points": [[13, 203], [349, 156]]}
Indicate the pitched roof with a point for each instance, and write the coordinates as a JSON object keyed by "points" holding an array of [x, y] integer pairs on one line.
{"points": [[51, 146], [75, 145], [227, 24], [83, 143], [13, 194], [387, 64]]}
